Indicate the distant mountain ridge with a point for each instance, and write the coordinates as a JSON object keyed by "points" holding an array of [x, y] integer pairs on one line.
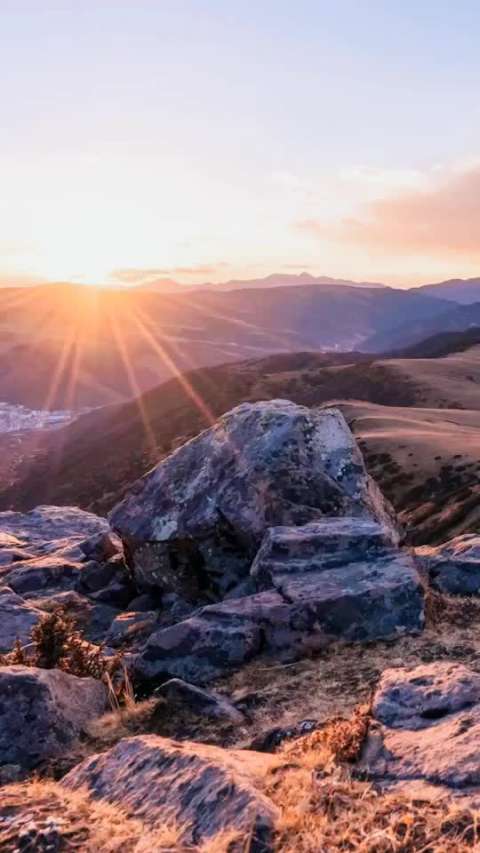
{"points": [[168, 285], [465, 291]]}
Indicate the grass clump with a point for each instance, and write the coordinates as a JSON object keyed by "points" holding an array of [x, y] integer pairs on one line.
{"points": [[57, 643]]}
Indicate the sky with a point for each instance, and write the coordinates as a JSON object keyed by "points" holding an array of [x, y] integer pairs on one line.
{"points": [[203, 141]]}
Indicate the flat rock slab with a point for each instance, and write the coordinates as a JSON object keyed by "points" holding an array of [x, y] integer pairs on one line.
{"points": [[42, 711], [326, 544], [47, 528], [43, 573], [197, 520], [453, 567], [426, 727], [204, 789], [416, 698]]}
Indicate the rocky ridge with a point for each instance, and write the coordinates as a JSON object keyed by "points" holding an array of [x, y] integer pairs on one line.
{"points": [[264, 537]]}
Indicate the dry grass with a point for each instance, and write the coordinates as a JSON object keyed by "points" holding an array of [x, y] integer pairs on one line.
{"points": [[324, 809], [336, 813], [57, 819]]}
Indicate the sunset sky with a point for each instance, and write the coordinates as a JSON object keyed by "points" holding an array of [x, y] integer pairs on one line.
{"points": [[207, 140]]}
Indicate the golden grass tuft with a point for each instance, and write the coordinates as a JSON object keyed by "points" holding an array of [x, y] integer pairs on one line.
{"points": [[336, 813]]}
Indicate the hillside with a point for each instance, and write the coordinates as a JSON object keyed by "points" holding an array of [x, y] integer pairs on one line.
{"points": [[426, 462], [454, 318], [462, 290]]}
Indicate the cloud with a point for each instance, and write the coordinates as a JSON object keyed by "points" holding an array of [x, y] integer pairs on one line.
{"points": [[140, 275], [443, 218]]}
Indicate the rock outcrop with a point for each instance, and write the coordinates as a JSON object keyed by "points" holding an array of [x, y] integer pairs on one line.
{"points": [[263, 535], [310, 598], [42, 711], [194, 524], [426, 727], [204, 789]]}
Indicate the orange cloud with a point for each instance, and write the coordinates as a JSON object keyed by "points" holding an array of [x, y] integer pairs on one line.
{"points": [[444, 218]]}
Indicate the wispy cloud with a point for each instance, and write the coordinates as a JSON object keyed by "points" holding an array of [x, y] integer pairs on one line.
{"points": [[140, 275], [441, 218]]}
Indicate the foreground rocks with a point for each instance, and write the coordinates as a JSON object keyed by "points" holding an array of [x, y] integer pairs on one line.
{"points": [[17, 618], [453, 567], [204, 789], [42, 712], [59, 556], [194, 524], [426, 727]]}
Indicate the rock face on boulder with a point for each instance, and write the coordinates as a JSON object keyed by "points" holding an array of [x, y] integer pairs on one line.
{"points": [[42, 711], [455, 566], [204, 789], [426, 726], [195, 522]]}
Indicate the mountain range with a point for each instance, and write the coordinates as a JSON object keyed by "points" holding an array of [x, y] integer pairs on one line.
{"points": [[66, 346]]}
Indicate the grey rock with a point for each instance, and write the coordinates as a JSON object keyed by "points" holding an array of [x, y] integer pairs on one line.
{"points": [[43, 573], [17, 618], [119, 593], [413, 699], [43, 711], [426, 727], [174, 608], [362, 601], [48, 528], [453, 567], [145, 601], [196, 521], [200, 648], [203, 702], [203, 789], [102, 546], [315, 547], [96, 576], [131, 628]]}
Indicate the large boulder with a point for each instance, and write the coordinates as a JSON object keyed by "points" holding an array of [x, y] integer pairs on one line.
{"points": [[194, 523], [453, 567], [204, 790], [426, 726], [42, 711]]}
